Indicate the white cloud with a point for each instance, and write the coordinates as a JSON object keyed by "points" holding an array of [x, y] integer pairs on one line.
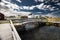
{"points": [[2, 4], [6, 1], [12, 6], [32, 7], [39, 0], [21, 7], [48, 6], [7, 8], [22, 13], [44, 6], [9, 4], [19, 1], [26, 7], [58, 3], [46, 0], [40, 6]]}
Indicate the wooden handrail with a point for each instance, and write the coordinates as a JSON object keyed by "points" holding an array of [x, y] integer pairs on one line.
{"points": [[16, 35]]}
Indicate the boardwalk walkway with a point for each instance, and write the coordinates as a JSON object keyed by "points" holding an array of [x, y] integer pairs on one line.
{"points": [[5, 32]]}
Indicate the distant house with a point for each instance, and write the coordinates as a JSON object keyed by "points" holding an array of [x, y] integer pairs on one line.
{"points": [[1, 16]]}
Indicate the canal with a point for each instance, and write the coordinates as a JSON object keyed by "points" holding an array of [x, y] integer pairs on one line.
{"points": [[40, 33]]}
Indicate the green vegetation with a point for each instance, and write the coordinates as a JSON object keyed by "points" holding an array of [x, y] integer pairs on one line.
{"points": [[24, 17], [4, 21]]}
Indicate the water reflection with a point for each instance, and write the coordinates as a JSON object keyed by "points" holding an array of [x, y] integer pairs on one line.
{"points": [[41, 33]]}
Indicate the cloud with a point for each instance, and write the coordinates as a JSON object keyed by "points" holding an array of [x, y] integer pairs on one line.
{"points": [[19, 1], [40, 6], [58, 4], [2, 4], [39, 0], [56, 13], [26, 7], [9, 4], [6, 1], [23, 13], [10, 10], [50, 15], [32, 7], [7, 8], [46, 0]]}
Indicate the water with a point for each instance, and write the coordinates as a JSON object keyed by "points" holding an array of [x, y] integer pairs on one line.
{"points": [[41, 33]]}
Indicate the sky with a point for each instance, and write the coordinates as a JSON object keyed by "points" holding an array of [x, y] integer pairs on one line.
{"points": [[35, 6]]}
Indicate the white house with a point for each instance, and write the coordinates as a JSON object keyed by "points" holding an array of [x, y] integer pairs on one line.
{"points": [[34, 16]]}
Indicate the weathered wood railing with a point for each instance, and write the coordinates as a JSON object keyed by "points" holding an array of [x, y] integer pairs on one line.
{"points": [[15, 33]]}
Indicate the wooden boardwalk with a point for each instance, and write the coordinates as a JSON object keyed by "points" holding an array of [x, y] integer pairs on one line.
{"points": [[5, 32], [8, 31]]}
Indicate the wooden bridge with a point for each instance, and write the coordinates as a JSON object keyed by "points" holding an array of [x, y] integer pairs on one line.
{"points": [[36, 22]]}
